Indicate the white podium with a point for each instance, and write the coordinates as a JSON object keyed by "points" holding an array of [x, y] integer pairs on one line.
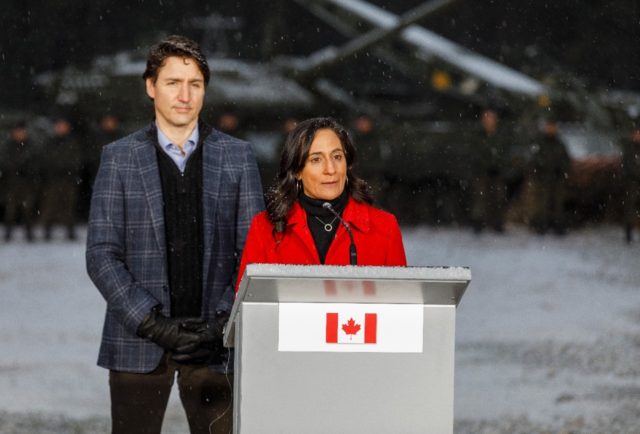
{"points": [[343, 349]]}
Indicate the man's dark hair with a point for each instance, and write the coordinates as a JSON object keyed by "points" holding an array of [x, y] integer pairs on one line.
{"points": [[284, 192], [175, 46]]}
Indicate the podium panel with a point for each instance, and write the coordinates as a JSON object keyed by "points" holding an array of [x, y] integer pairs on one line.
{"points": [[322, 391]]}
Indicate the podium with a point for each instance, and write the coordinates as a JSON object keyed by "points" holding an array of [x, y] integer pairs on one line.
{"points": [[344, 349]]}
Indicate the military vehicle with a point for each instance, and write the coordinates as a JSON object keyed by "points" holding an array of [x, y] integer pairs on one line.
{"points": [[424, 97], [430, 156], [246, 98]]}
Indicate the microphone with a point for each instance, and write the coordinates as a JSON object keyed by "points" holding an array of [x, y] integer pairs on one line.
{"points": [[353, 256]]}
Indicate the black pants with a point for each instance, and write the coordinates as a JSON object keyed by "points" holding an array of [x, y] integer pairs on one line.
{"points": [[139, 401]]}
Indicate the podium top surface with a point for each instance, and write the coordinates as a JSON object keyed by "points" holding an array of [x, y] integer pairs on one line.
{"points": [[358, 272], [353, 284]]}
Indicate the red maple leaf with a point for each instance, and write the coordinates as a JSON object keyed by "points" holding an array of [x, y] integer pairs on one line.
{"points": [[351, 328]]}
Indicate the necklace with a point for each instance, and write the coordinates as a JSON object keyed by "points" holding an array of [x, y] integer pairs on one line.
{"points": [[327, 226]]}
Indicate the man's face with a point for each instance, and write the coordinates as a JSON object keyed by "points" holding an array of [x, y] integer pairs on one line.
{"points": [[178, 93]]}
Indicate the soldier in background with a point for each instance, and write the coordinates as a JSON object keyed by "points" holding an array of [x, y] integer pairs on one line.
{"points": [[269, 166], [288, 125], [20, 176], [108, 130], [229, 123], [631, 180], [370, 164], [61, 179], [548, 170], [488, 166]]}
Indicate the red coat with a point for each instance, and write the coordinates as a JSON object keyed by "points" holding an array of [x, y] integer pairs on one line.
{"points": [[376, 234]]}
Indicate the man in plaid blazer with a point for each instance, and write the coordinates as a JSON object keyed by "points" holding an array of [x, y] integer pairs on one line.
{"points": [[169, 214]]}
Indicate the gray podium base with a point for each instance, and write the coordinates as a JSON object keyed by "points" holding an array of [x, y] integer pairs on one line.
{"points": [[317, 392]]}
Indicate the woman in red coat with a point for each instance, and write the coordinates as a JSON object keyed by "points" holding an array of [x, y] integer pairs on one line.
{"points": [[298, 227]]}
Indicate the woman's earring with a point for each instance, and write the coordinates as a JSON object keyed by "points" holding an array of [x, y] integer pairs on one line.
{"points": [[298, 187]]}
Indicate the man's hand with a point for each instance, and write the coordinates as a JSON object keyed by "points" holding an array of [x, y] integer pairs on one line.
{"points": [[210, 332], [169, 333]]}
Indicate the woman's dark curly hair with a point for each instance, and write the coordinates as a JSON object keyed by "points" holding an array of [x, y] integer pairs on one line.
{"points": [[175, 46], [284, 191]]}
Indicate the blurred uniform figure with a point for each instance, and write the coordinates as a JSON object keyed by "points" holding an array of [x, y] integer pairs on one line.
{"points": [[21, 180], [108, 130], [366, 138], [269, 165], [631, 181], [488, 166], [229, 123], [61, 179], [288, 125], [548, 168]]}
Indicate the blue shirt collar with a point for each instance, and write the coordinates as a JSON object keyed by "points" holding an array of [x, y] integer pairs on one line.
{"points": [[166, 143]]}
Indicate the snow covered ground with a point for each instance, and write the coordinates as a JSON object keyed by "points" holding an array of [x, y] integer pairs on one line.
{"points": [[547, 339], [548, 332]]}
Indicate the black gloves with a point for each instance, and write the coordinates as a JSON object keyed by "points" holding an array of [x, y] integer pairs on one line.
{"points": [[192, 340], [210, 332], [168, 333]]}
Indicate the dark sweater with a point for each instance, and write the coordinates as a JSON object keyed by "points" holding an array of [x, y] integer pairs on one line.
{"points": [[182, 195], [320, 219]]}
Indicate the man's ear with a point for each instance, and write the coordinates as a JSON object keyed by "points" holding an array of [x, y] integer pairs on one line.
{"points": [[151, 88]]}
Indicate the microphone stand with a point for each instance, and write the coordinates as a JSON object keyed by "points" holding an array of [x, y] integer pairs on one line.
{"points": [[353, 255]]}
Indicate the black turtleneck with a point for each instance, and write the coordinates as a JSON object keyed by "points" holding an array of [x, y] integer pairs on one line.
{"points": [[320, 219]]}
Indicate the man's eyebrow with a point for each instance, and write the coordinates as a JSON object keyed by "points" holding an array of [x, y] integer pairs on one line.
{"points": [[181, 79]]}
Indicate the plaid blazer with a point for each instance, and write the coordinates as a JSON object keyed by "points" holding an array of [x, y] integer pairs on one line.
{"points": [[126, 257]]}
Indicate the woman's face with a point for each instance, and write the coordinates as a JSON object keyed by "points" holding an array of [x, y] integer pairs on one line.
{"points": [[325, 172]]}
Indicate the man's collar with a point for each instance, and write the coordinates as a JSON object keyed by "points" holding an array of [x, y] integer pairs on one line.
{"points": [[165, 142]]}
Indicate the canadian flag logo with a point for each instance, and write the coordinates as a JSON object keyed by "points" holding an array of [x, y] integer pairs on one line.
{"points": [[357, 329], [350, 327]]}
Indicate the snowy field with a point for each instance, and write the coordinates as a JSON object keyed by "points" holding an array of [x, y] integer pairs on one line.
{"points": [[547, 339]]}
